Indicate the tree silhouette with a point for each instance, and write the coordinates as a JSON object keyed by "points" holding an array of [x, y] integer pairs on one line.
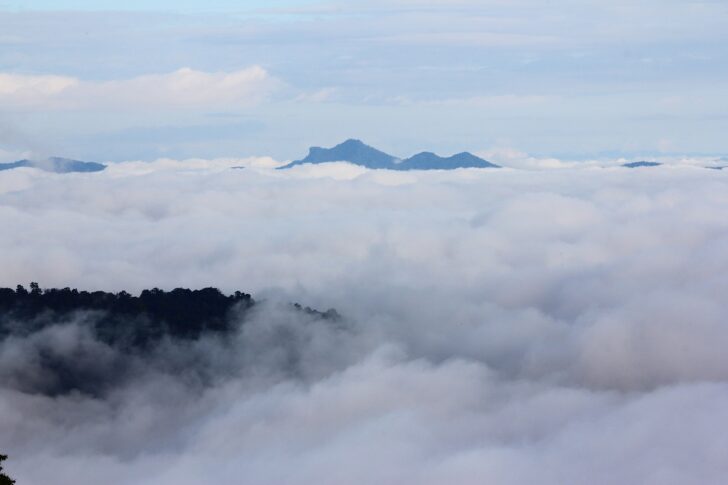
{"points": [[136, 320], [4, 479]]}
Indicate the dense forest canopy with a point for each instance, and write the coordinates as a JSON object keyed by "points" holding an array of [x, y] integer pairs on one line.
{"points": [[85, 342], [179, 313]]}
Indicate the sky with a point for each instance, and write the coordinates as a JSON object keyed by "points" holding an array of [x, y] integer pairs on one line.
{"points": [[112, 81], [543, 322]]}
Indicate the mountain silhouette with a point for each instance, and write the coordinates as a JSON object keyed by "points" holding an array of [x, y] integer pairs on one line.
{"points": [[354, 151], [641, 164], [359, 153], [431, 161], [56, 165]]}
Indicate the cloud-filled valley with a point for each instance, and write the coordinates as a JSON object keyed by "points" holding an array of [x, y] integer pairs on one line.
{"points": [[498, 326], [504, 260]]}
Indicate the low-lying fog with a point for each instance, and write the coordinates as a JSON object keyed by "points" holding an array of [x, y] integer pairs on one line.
{"points": [[506, 326]]}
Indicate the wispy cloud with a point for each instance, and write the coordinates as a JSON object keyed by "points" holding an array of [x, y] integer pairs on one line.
{"points": [[182, 89]]}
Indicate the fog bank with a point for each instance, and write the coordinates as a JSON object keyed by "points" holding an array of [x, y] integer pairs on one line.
{"points": [[509, 326]]}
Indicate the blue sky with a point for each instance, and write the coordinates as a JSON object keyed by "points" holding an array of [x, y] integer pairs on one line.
{"points": [[153, 5], [118, 80]]}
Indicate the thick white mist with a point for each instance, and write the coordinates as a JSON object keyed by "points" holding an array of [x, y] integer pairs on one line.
{"points": [[501, 326]]}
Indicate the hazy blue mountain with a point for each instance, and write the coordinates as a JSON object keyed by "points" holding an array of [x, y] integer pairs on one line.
{"points": [[359, 153], [56, 165], [351, 150], [10, 166], [432, 161], [641, 164]]}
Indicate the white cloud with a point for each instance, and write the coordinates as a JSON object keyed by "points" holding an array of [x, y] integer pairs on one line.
{"points": [[34, 86], [503, 326], [190, 165], [182, 89], [509, 157]]}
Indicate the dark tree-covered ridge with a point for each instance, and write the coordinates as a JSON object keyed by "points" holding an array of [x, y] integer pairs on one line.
{"points": [[4, 479], [57, 342], [179, 313]]}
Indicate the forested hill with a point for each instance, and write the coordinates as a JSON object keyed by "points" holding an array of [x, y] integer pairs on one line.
{"points": [[122, 317], [61, 341]]}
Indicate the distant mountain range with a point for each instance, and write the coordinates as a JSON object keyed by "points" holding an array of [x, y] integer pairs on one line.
{"points": [[352, 151], [641, 164], [359, 153], [56, 165]]}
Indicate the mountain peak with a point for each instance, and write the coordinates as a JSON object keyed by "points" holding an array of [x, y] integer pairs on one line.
{"points": [[351, 150], [351, 142], [432, 161]]}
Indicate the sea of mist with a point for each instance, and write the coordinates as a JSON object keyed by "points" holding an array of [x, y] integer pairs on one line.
{"points": [[509, 326]]}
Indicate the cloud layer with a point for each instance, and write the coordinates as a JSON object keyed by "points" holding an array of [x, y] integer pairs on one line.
{"points": [[182, 89], [504, 326]]}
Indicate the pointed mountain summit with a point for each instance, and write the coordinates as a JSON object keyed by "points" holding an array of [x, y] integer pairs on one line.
{"points": [[354, 151], [432, 161], [56, 165]]}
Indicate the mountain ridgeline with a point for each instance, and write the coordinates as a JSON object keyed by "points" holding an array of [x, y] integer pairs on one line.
{"points": [[431, 161], [55, 165], [642, 164], [121, 318], [359, 153], [154, 314]]}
